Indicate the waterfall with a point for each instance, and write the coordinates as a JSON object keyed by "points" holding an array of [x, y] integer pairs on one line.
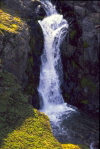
{"points": [[54, 28]]}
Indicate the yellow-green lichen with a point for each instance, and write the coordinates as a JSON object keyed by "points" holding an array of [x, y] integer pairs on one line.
{"points": [[10, 23]]}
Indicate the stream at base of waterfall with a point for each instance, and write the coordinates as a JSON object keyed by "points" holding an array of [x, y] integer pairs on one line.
{"points": [[69, 125]]}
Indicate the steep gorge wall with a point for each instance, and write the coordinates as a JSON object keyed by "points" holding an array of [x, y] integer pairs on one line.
{"points": [[20, 53], [80, 53]]}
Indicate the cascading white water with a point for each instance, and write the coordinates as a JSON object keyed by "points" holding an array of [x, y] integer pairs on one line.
{"points": [[67, 122], [54, 29]]}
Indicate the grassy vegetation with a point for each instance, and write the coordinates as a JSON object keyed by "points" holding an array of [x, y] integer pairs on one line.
{"points": [[10, 23], [21, 126]]}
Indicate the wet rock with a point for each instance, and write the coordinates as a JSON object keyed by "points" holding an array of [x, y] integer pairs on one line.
{"points": [[15, 50], [77, 128], [23, 7], [21, 52], [80, 52], [94, 145], [80, 11]]}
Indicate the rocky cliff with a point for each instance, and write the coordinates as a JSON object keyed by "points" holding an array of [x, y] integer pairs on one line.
{"points": [[80, 53], [21, 44], [21, 47]]}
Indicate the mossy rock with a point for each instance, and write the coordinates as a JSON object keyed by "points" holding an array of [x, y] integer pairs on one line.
{"points": [[35, 132], [67, 97], [0, 61], [73, 34], [85, 82], [70, 146], [73, 146], [10, 23], [74, 64], [21, 126], [85, 44], [83, 146], [84, 102]]}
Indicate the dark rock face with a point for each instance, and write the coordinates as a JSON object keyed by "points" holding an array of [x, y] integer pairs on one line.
{"points": [[15, 48], [80, 53], [20, 53], [80, 50], [34, 61], [23, 7]]}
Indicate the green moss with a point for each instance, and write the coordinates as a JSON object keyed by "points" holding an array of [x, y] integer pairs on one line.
{"points": [[84, 101], [74, 64], [35, 132], [9, 80], [30, 88], [83, 146], [73, 34], [85, 44], [40, 17], [31, 60], [88, 83], [74, 146], [9, 23], [67, 97], [32, 42], [21, 126], [70, 146]]}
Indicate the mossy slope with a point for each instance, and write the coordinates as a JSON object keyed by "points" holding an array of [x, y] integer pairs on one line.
{"points": [[10, 23], [74, 146], [70, 146], [21, 127], [34, 133]]}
